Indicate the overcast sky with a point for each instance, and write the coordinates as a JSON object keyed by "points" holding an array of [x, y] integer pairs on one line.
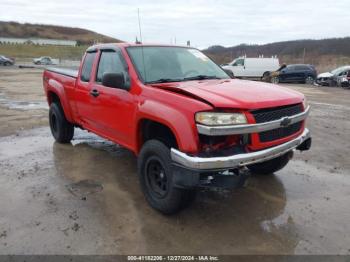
{"points": [[205, 23]]}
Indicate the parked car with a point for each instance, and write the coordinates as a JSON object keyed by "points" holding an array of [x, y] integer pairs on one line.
{"points": [[6, 61], [188, 122], [244, 67], [334, 77], [44, 60], [301, 73]]}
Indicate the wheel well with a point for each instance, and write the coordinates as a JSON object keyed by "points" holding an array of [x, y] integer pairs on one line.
{"points": [[154, 130], [53, 98]]}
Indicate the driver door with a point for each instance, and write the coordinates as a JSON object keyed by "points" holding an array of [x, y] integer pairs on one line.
{"points": [[114, 109]]}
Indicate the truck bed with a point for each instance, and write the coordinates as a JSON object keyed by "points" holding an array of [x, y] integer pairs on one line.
{"points": [[64, 71]]}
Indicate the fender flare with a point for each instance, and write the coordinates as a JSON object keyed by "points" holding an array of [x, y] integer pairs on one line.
{"points": [[58, 89], [181, 126]]}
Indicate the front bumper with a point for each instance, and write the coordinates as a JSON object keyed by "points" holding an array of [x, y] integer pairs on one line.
{"points": [[302, 142]]}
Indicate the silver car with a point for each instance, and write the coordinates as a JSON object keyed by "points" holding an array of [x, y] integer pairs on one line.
{"points": [[44, 60], [334, 77]]}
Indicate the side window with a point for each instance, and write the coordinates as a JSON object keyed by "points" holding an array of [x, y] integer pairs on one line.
{"points": [[110, 62], [305, 68], [239, 62], [87, 67], [344, 73]]}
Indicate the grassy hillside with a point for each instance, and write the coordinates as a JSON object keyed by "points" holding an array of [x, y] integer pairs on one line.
{"points": [[324, 54], [30, 51], [83, 36]]}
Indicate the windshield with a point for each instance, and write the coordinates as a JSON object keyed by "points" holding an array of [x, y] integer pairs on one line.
{"points": [[338, 70], [171, 64]]}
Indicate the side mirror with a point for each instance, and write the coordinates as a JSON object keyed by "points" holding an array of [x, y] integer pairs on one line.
{"points": [[114, 80], [230, 73]]}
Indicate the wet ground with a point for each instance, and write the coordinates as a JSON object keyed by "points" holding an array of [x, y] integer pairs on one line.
{"points": [[84, 198]]}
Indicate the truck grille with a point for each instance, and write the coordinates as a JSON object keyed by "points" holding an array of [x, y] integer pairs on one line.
{"points": [[279, 133], [270, 114]]}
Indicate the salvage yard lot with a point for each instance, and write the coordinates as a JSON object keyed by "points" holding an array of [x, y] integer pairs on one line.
{"points": [[84, 198]]}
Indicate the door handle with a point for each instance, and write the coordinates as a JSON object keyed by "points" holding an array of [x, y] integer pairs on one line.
{"points": [[94, 93]]}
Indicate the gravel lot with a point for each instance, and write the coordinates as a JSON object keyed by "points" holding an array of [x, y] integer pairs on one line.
{"points": [[84, 198]]}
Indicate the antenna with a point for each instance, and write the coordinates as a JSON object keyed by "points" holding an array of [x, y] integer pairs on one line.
{"points": [[143, 56], [138, 15]]}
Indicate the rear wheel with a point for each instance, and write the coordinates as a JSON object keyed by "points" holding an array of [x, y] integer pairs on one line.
{"points": [[156, 179], [271, 166], [61, 129]]}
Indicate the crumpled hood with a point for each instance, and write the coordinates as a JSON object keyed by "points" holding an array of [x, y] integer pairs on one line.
{"points": [[235, 93], [326, 74]]}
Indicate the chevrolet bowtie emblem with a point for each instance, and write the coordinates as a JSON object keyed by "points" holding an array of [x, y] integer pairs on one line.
{"points": [[286, 122]]}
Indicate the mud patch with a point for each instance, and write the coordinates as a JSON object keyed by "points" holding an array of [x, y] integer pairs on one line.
{"points": [[84, 188], [22, 105]]}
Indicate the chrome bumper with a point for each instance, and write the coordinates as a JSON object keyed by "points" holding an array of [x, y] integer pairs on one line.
{"points": [[251, 128], [230, 162]]}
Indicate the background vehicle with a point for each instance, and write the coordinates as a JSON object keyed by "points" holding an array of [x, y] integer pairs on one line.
{"points": [[244, 67], [5, 61], [189, 124], [294, 73], [44, 60], [334, 77]]}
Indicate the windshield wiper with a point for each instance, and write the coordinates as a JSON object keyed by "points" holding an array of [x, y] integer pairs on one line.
{"points": [[164, 80], [201, 77]]}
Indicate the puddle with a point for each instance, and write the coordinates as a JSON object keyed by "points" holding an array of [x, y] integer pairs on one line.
{"points": [[84, 188], [22, 105], [302, 209]]}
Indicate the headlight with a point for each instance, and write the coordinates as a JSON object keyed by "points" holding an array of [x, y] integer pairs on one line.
{"points": [[220, 119], [305, 103]]}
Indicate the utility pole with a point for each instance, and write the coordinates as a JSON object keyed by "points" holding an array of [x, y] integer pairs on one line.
{"points": [[304, 55]]}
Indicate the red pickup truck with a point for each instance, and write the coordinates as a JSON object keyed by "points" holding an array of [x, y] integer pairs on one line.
{"points": [[188, 122]]}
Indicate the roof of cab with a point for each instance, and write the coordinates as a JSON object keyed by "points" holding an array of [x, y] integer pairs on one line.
{"points": [[124, 45]]}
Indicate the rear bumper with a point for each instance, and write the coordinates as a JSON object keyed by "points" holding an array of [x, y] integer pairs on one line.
{"points": [[303, 142]]}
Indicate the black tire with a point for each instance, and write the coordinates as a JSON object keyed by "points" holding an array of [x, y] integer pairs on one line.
{"points": [[275, 80], [155, 173], [271, 166], [61, 129], [309, 80]]}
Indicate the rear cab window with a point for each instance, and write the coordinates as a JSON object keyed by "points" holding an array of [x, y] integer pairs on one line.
{"points": [[87, 66]]}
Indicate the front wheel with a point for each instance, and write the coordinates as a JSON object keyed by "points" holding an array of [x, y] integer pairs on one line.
{"points": [[271, 166], [275, 80], [61, 129], [156, 179], [309, 80]]}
